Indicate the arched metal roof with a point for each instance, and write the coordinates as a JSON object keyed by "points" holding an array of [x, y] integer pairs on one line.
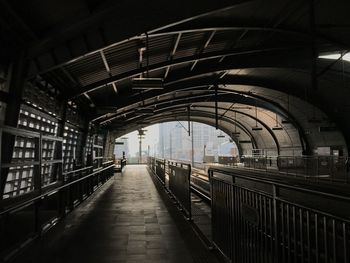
{"points": [[262, 54]]}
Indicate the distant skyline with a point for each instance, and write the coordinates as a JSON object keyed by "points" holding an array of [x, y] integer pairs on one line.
{"points": [[151, 139]]}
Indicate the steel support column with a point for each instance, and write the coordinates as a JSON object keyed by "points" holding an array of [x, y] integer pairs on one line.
{"points": [[58, 152], [60, 133]]}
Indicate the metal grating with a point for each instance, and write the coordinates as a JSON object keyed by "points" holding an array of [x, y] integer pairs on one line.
{"points": [[20, 178]]}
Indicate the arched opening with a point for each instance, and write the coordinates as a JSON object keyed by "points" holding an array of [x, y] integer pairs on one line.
{"points": [[192, 142]]}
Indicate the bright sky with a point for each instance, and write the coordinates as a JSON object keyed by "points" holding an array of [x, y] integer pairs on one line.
{"points": [[151, 139]]}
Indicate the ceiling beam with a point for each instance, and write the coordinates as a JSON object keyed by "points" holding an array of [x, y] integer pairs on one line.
{"points": [[206, 44], [264, 60], [105, 63], [177, 41]]}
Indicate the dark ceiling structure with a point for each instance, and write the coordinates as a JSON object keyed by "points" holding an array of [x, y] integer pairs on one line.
{"points": [[236, 65]]}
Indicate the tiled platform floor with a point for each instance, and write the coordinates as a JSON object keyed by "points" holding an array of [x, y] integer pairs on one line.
{"points": [[129, 220]]}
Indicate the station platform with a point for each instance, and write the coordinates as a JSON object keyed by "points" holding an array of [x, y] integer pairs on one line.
{"points": [[130, 219]]}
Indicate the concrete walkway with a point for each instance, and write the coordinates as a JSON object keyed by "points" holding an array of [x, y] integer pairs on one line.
{"points": [[128, 220]]}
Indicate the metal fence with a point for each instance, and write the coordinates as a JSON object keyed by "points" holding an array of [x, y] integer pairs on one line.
{"points": [[330, 168], [43, 196], [256, 220], [180, 185], [160, 170], [28, 218]]}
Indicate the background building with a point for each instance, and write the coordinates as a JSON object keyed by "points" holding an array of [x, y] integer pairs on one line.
{"points": [[175, 143]]}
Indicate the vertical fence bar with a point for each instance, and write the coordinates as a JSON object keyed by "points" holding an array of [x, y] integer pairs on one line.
{"points": [[317, 251], [288, 233], [295, 244], [265, 230], [272, 255], [301, 235], [308, 236], [283, 233], [345, 241], [325, 234], [275, 221], [334, 239]]}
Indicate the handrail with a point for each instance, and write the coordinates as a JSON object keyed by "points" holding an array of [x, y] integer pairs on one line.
{"points": [[20, 164], [199, 178], [106, 162], [52, 138], [265, 180], [19, 132], [28, 133], [179, 164], [78, 170], [30, 201], [82, 178], [52, 161]]}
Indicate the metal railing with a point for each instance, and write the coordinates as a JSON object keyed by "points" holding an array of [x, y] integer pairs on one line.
{"points": [[324, 168], [31, 213], [179, 181], [201, 187], [257, 220], [180, 185], [160, 170], [46, 209]]}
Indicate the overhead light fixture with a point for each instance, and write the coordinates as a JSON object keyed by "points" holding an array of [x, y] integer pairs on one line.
{"points": [[147, 83], [257, 129], [330, 56], [221, 136], [335, 56], [346, 57]]}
